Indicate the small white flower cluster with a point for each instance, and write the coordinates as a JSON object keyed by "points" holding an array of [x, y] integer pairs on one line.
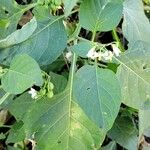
{"points": [[107, 55], [68, 56], [116, 50], [92, 54], [33, 93]]}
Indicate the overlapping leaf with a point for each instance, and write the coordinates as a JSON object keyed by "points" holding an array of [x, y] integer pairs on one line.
{"points": [[111, 146], [10, 14], [144, 123], [60, 121], [134, 75], [82, 48], [23, 73], [51, 31], [69, 5], [19, 35], [59, 81], [97, 91], [96, 15], [136, 25], [124, 133]]}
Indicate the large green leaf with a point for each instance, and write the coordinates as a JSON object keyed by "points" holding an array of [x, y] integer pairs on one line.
{"points": [[10, 14], [62, 123], [59, 123], [124, 133], [96, 15], [23, 73], [98, 93], [136, 25], [134, 75], [19, 35], [46, 43]]}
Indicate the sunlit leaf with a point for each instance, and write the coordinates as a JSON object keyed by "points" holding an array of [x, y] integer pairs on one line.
{"points": [[23, 73], [19, 35], [134, 75], [10, 14], [51, 31], [60, 121], [124, 133], [136, 25], [69, 6], [96, 15], [98, 93]]}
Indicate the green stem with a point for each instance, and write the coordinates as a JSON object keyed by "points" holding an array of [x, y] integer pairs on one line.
{"points": [[72, 70], [93, 36], [5, 126], [115, 37], [4, 98], [29, 7], [75, 33], [24, 9]]}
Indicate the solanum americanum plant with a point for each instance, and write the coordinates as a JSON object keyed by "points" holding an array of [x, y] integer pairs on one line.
{"points": [[74, 74]]}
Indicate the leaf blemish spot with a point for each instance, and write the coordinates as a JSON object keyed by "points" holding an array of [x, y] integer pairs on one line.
{"points": [[58, 142]]}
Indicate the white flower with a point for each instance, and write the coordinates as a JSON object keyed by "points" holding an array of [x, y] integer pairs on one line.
{"points": [[33, 93], [107, 55], [116, 50], [68, 56], [92, 53]]}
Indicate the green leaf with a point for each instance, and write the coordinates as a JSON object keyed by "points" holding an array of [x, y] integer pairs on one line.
{"points": [[10, 14], [46, 43], [98, 93], [144, 123], [7, 99], [61, 123], [16, 133], [82, 48], [2, 136], [136, 25], [96, 15], [23, 73], [20, 105], [68, 5], [133, 74], [59, 81], [124, 133], [19, 35]]}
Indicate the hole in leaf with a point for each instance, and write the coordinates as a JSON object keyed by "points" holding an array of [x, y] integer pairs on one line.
{"points": [[147, 139], [6, 12], [58, 142], [88, 88], [144, 67], [23, 2]]}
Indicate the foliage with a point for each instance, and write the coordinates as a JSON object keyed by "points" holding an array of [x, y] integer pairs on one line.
{"points": [[64, 85]]}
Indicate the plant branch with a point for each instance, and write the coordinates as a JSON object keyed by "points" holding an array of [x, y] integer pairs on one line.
{"points": [[115, 37], [4, 98]]}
